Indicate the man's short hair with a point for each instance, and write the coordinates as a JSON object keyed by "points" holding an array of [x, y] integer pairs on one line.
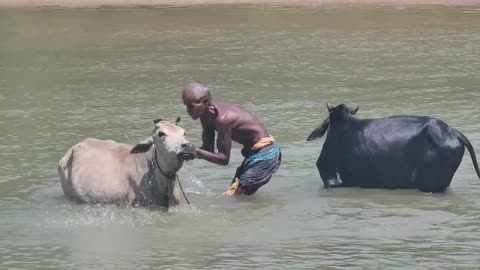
{"points": [[199, 90]]}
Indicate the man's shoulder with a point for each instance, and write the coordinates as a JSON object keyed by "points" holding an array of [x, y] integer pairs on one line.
{"points": [[227, 104], [232, 114], [231, 108]]}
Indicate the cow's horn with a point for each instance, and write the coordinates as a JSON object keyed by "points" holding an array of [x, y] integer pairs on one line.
{"points": [[355, 109], [329, 107], [178, 120]]}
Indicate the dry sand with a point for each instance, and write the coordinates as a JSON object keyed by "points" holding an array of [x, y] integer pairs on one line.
{"points": [[152, 3]]}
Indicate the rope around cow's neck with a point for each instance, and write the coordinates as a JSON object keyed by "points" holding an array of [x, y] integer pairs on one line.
{"points": [[181, 188], [160, 168], [178, 179]]}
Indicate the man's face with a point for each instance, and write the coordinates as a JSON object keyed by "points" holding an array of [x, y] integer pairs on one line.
{"points": [[195, 108]]}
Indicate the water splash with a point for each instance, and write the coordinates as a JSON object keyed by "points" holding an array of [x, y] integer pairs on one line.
{"points": [[191, 183]]}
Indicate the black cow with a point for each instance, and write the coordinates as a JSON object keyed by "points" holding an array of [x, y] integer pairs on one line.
{"points": [[392, 152]]}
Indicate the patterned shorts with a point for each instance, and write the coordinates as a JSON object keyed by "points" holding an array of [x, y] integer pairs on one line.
{"points": [[258, 167]]}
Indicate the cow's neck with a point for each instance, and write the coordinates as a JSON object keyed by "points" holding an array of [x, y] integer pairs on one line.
{"points": [[163, 184], [339, 126], [168, 175], [156, 185]]}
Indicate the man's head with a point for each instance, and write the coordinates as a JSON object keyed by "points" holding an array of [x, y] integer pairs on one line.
{"points": [[196, 98]]}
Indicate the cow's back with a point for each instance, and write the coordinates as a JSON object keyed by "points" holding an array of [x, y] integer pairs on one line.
{"points": [[381, 139], [390, 152], [97, 171]]}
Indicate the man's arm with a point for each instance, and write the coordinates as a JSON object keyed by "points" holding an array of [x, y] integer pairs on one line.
{"points": [[224, 145], [208, 138]]}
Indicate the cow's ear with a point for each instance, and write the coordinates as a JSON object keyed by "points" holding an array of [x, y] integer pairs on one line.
{"points": [[320, 131], [143, 146], [157, 120], [354, 110]]}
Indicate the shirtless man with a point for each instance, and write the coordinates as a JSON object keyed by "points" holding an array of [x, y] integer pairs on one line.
{"points": [[232, 122]]}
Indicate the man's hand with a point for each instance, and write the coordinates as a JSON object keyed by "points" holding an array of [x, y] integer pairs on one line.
{"points": [[199, 153], [217, 158]]}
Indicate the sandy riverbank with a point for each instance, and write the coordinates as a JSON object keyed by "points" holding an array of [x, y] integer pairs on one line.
{"points": [[127, 3]]}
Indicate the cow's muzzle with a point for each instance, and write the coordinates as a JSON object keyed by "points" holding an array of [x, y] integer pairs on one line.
{"points": [[188, 152]]}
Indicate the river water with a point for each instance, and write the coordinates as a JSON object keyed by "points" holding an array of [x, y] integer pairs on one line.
{"points": [[106, 73]]}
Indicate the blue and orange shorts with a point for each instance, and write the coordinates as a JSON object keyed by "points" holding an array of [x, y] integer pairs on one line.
{"points": [[258, 167]]}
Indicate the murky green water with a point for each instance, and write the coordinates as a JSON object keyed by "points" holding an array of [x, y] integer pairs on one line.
{"points": [[70, 74]]}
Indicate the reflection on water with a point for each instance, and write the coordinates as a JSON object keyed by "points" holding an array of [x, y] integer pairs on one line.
{"points": [[106, 73]]}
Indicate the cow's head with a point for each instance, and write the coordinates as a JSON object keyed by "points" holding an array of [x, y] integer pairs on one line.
{"points": [[170, 144], [333, 111], [341, 110]]}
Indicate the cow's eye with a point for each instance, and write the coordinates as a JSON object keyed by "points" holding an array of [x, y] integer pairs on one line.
{"points": [[161, 134]]}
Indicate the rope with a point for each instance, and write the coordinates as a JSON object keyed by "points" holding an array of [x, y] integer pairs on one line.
{"points": [[181, 188], [178, 179]]}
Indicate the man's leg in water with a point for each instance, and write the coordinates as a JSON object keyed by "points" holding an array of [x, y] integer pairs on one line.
{"points": [[234, 188], [256, 171]]}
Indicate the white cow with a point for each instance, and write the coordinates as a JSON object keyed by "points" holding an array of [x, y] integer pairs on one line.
{"points": [[105, 171]]}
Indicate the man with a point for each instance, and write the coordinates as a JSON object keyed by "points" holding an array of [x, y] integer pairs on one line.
{"points": [[232, 122]]}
